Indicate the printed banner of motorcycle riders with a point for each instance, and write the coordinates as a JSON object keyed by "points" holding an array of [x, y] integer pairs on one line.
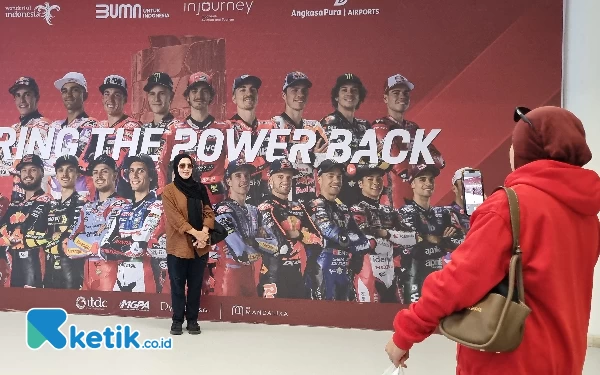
{"points": [[86, 213]]}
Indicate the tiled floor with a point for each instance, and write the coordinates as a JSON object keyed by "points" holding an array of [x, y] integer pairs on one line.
{"points": [[222, 347]]}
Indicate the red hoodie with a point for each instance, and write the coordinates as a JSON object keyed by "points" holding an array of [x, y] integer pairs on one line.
{"points": [[560, 239]]}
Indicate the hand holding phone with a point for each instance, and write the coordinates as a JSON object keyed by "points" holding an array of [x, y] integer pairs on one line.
{"points": [[473, 195]]}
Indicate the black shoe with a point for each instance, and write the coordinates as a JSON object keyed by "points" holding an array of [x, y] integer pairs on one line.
{"points": [[177, 328], [193, 328]]}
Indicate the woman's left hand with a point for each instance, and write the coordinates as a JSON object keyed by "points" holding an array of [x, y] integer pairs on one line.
{"points": [[199, 244], [397, 355]]}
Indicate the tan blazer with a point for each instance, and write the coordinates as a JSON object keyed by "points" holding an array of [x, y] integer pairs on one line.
{"points": [[179, 243]]}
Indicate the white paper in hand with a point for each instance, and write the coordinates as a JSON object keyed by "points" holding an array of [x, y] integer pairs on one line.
{"points": [[393, 370]]}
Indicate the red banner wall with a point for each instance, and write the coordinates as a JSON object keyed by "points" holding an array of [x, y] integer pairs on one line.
{"points": [[471, 62]]}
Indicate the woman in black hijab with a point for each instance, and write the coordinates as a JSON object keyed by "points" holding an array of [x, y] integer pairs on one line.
{"points": [[189, 217]]}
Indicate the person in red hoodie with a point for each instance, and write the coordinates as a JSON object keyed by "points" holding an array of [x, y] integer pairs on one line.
{"points": [[560, 238]]}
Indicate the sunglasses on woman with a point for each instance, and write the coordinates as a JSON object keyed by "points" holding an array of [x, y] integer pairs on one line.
{"points": [[520, 114], [185, 166]]}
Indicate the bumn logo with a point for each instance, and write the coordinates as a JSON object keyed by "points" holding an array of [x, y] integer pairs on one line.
{"points": [[118, 11], [339, 3]]}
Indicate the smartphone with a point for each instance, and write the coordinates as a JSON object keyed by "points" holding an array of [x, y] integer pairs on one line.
{"points": [[472, 190]]}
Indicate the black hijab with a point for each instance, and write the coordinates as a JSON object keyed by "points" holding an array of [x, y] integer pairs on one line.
{"points": [[196, 193]]}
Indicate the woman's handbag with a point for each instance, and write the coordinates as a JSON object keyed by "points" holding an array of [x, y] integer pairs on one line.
{"points": [[497, 322], [218, 234]]}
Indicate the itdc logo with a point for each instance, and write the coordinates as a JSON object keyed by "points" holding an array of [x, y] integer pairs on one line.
{"points": [[44, 326]]}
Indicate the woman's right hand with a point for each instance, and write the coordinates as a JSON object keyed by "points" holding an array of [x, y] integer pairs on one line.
{"points": [[201, 236]]}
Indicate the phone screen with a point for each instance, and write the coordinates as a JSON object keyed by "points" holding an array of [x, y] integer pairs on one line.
{"points": [[473, 190]]}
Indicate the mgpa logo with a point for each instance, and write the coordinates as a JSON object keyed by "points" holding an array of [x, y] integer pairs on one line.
{"points": [[135, 305]]}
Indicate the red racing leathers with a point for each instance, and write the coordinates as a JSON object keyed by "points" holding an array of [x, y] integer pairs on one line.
{"points": [[396, 188], [84, 242]]}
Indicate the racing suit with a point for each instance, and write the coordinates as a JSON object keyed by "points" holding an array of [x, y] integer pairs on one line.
{"points": [[157, 250], [4, 265], [84, 125], [349, 193], [239, 253], [425, 257], [26, 270], [126, 241], [125, 122], [259, 182], [211, 174], [48, 232], [9, 177], [162, 152], [375, 282], [4, 268], [304, 184], [332, 280], [291, 227], [462, 220], [86, 234], [396, 189]]}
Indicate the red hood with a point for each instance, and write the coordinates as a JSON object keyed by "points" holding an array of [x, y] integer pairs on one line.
{"points": [[575, 187]]}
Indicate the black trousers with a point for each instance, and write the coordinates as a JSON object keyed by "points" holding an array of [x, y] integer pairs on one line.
{"points": [[26, 269], [182, 271], [63, 272], [283, 279]]}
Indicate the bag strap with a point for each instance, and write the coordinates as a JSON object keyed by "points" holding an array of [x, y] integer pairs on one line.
{"points": [[515, 219], [515, 222]]}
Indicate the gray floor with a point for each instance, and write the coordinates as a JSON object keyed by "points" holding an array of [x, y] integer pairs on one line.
{"points": [[257, 349]]}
